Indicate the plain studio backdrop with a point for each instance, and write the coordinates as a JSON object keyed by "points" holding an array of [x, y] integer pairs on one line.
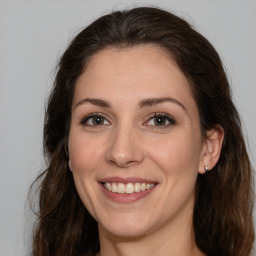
{"points": [[33, 34]]}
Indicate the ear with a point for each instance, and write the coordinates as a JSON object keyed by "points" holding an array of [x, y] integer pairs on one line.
{"points": [[70, 165], [211, 148]]}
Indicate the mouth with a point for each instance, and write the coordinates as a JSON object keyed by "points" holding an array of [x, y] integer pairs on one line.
{"points": [[126, 190], [129, 188]]}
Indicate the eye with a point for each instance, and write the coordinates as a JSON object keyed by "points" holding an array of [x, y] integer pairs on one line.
{"points": [[160, 119], [94, 120]]}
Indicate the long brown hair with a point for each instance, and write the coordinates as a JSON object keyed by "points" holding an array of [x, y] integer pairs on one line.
{"points": [[223, 208]]}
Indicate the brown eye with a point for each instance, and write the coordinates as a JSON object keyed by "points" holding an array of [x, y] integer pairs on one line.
{"points": [[94, 120], [97, 120], [161, 120]]}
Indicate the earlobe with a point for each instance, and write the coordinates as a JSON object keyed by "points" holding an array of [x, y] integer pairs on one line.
{"points": [[69, 164], [211, 149]]}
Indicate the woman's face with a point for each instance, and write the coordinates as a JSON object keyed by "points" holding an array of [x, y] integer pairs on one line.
{"points": [[135, 144]]}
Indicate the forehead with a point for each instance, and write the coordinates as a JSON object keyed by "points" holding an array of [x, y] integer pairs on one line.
{"points": [[138, 71]]}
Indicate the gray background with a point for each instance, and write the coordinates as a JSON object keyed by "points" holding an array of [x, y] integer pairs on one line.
{"points": [[33, 34]]}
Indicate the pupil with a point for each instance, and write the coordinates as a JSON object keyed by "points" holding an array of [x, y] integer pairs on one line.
{"points": [[97, 120], [160, 120]]}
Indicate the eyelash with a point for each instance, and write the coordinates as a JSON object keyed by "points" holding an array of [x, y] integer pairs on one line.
{"points": [[164, 116], [91, 116]]}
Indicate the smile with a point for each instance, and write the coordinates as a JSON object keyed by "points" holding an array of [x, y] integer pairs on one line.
{"points": [[128, 188]]}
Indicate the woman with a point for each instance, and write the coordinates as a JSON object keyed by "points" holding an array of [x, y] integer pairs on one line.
{"points": [[146, 154]]}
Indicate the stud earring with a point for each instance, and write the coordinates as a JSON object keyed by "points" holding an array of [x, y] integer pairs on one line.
{"points": [[206, 169]]}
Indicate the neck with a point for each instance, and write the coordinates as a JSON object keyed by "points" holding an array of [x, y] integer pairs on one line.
{"points": [[176, 240]]}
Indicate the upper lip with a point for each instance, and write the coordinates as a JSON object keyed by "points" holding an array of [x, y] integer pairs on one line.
{"points": [[126, 180]]}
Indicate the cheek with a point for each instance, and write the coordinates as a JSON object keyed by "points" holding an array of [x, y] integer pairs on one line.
{"points": [[177, 154], [84, 153], [177, 161]]}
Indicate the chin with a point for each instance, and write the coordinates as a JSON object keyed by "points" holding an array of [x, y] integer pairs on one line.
{"points": [[126, 227]]}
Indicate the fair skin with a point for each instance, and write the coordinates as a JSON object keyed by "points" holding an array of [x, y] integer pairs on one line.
{"points": [[134, 121]]}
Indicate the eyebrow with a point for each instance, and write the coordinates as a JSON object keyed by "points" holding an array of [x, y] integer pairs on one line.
{"points": [[96, 102], [155, 101], [143, 103]]}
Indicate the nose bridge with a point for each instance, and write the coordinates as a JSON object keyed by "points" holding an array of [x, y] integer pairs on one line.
{"points": [[124, 148]]}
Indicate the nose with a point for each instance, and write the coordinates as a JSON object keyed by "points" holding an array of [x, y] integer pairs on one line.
{"points": [[125, 148]]}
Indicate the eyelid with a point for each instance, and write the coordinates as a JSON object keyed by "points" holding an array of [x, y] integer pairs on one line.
{"points": [[168, 117], [85, 118], [160, 114]]}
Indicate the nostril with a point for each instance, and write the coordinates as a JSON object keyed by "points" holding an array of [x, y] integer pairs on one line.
{"points": [[123, 164]]}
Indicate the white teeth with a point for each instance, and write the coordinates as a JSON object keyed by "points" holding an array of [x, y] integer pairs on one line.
{"points": [[120, 188], [128, 188], [108, 186], [137, 187], [148, 186], [113, 187], [143, 186]]}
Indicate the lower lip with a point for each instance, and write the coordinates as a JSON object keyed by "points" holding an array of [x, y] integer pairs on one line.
{"points": [[126, 198]]}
